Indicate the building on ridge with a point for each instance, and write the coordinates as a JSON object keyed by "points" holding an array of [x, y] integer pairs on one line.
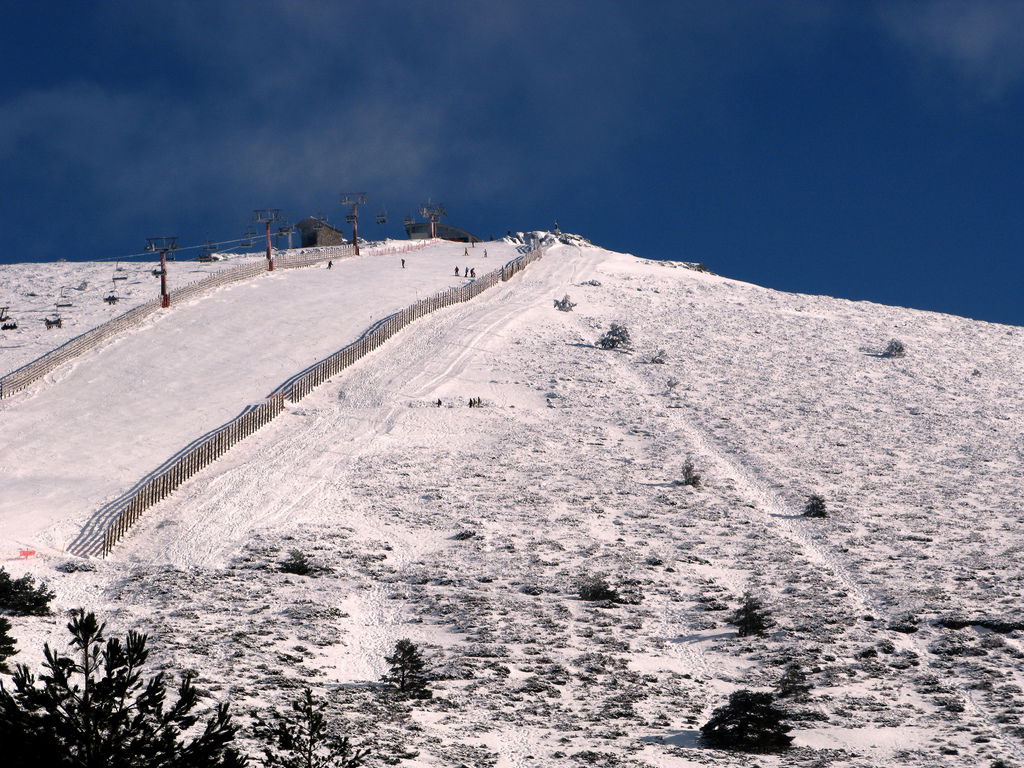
{"points": [[314, 232], [420, 230]]}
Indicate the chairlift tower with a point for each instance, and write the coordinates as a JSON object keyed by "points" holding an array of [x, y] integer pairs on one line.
{"points": [[164, 245], [355, 199], [268, 216], [433, 212]]}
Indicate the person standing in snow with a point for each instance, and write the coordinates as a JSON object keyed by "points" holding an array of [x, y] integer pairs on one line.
{"points": [[472, 272], [330, 264], [456, 271], [403, 263]]}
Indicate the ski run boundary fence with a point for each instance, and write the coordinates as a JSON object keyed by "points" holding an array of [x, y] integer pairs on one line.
{"points": [[114, 520], [21, 378]]}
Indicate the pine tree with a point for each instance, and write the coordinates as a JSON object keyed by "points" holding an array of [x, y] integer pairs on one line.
{"points": [[302, 738], [6, 644], [21, 596], [616, 336], [92, 709], [793, 683], [407, 672], [750, 722], [815, 506], [751, 618]]}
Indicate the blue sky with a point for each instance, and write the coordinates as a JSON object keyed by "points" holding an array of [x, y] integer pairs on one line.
{"points": [[870, 150]]}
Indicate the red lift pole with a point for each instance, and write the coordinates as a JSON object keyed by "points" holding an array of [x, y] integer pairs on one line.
{"points": [[268, 216], [163, 245], [355, 199]]}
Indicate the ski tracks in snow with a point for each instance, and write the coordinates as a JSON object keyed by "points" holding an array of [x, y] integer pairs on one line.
{"points": [[281, 475], [731, 462]]}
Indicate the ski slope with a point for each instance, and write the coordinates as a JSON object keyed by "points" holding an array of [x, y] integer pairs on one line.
{"points": [[99, 424]]}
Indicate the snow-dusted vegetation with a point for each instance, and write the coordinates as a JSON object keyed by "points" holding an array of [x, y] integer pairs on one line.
{"points": [[570, 557]]}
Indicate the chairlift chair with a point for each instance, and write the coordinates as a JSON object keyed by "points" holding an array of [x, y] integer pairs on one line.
{"points": [[382, 217], [63, 302], [113, 298]]}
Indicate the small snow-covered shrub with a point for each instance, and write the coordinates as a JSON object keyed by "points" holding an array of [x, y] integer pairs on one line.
{"points": [[594, 588], [594, 283], [906, 623], [894, 348], [564, 304], [660, 357], [690, 475], [298, 564], [815, 506], [616, 337], [74, 566]]}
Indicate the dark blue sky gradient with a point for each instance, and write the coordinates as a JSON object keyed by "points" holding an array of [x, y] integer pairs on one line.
{"points": [[857, 149]]}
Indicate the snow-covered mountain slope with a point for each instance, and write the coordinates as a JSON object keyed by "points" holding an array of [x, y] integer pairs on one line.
{"points": [[76, 291], [118, 413], [468, 530]]}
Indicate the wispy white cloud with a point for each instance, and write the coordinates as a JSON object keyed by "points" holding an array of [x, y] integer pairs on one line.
{"points": [[980, 41]]}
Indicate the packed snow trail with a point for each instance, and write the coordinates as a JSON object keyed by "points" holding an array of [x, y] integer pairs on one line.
{"points": [[420, 362], [96, 426]]}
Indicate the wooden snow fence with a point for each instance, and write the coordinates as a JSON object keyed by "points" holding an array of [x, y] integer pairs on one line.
{"points": [[114, 520], [157, 485], [22, 377]]}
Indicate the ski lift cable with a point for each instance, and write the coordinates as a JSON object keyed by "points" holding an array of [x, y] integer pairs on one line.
{"points": [[124, 257]]}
